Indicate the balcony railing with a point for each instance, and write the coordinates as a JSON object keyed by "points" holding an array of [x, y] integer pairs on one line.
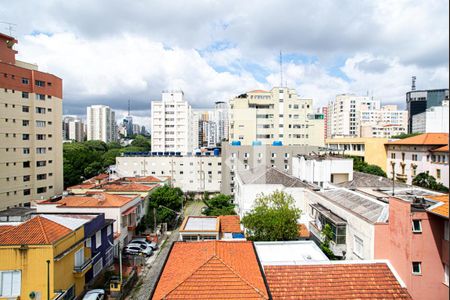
{"points": [[84, 266]]}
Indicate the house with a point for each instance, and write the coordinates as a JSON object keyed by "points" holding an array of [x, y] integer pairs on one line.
{"points": [[289, 253], [426, 152], [211, 270], [148, 180], [415, 239], [47, 253], [126, 211], [335, 280], [200, 228]]}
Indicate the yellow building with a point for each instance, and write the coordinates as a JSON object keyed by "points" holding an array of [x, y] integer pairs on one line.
{"points": [[41, 255], [372, 150]]}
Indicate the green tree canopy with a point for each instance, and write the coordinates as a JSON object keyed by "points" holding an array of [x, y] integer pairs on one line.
{"points": [[219, 205], [427, 181], [166, 197], [404, 135], [141, 142], [274, 218], [361, 166]]}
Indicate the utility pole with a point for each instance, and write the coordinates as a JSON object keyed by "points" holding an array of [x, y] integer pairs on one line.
{"points": [[120, 266], [393, 177], [48, 279], [154, 219]]}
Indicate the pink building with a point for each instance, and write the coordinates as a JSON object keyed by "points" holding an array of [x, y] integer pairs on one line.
{"points": [[415, 240]]}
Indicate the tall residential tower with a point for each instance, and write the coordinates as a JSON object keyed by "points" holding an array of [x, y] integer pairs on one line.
{"points": [[101, 123]]}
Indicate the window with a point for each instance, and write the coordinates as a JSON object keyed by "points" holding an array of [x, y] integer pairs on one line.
{"points": [[88, 243], [25, 108], [79, 257], [41, 190], [40, 110], [108, 230], [26, 178], [40, 123], [41, 176], [10, 282], [392, 155], [25, 80], [98, 239], [40, 150], [40, 137], [358, 246], [416, 268], [438, 174], [26, 150], [26, 192], [41, 163], [25, 122], [25, 137], [25, 95], [417, 226], [98, 266], [414, 157], [40, 97], [446, 275], [26, 164]]}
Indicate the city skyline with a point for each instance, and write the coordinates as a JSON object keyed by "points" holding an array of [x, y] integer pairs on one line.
{"points": [[231, 48]]}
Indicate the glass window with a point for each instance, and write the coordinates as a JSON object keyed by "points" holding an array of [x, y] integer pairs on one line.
{"points": [[79, 257], [416, 268], [417, 225], [98, 239], [10, 282]]}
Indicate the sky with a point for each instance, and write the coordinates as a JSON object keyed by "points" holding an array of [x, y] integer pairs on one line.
{"points": [[111, 51]]}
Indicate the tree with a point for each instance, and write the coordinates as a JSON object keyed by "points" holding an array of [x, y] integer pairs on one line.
{"points": [[167, 201], [427, 181], [404, 135], [361, 166], [274, 218], [219, 205], [141, 142], [327, 234]]}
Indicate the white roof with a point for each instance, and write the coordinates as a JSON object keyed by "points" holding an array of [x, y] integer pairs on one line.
{"points": [[289, 253], [204, 224], [71, 222]]}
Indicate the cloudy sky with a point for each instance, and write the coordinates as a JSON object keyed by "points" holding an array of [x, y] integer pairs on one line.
{"points": [[110, 51]]}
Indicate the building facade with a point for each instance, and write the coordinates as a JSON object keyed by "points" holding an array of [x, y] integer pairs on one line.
{"points": [[197, 173], [222, 111], [434, 119], [385, 122], [173, 124], [73, 129], [427, 153], [418, 101], [30, 130], [101, 123], [278, 115]]}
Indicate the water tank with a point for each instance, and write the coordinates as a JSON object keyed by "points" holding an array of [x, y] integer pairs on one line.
{"points": [[216, 151], [256, 143], [235, 143], [160, 153], [277, 143], [178, 153], [207, 153]]}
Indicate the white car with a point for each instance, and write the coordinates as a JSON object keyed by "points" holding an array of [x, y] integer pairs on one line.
{"points": [[97, 294], [135, 249], [143, 241]]}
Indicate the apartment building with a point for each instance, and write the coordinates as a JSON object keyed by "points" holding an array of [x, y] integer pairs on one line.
{"points": [[222, 111], [418, 101], [30, 130], [370, 150], [237, 157], [344, 114], [197, 173], [277, 115], [73, 129], [427, 152], [434, 119], [385, 122], [101, 123], [173, 125], [207, 128]]}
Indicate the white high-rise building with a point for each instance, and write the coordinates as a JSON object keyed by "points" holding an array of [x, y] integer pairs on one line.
{"points": [[433, 120], [173, 124], [344, 114], [101, 123], [221, 111], [73, 129], [385, 122]]}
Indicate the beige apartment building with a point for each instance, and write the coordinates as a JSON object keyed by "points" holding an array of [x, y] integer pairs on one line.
{"points": [[278, 115], [31, 166]]}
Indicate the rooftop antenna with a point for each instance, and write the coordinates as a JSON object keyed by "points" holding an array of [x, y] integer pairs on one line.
{"points": [[128, 107], [413, 84], [9, 27], [281, 69]]}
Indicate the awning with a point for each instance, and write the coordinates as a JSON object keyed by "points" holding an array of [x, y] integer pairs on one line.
{"points": [[335, 219], [129, 211]]}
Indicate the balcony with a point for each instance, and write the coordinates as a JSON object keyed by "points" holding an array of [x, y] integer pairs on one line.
{"points": [[80, 270]]}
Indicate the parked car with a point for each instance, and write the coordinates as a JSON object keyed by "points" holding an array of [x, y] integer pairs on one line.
{"points": [[204, 209], [135, 249], [143, 241], [97, 294]]}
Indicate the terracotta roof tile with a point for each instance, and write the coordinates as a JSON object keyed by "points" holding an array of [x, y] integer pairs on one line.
{"points": [[442, 209], [129, 187], [423, 139], [441, 149], [94, 200], [211, 270], [334, 281], [36, 231], [82, 186], [230, 224], [4, 228], [303, 231], [143, 179]]}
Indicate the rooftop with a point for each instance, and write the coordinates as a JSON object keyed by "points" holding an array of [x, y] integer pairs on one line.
{"points": [[126, 187], [289, 253], [334, 281], [211, 270], [36, 231], [268, 175], [200, 223], [230, 224], [441, 208], [144, 179], [370, 209], [364, 180], [93, 200], [423, 139], [441, 149]]}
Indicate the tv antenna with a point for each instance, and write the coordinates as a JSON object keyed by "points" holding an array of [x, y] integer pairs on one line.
{"points": [[9, 27], [128, 107], [281, 69], [413, 83]]}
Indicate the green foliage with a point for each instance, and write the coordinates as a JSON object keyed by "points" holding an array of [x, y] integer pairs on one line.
{"points": [[361, 166], [219, 205], [327, 237], [404, 135], [141, 142], [274, 218], [427, 181], [167, 201]]}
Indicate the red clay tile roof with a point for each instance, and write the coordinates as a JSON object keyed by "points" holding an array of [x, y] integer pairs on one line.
{"points": [[143, 179], [82, 186], [441, 210], [211, 270], [423, 139], [95, 200], [259, 91], [334, 281], [129, 187], [303, 231], [4, 228], [441, 149], [230, 224], [36, 231]]}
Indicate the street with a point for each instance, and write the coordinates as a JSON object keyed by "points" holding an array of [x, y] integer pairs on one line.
{"points": [[155, 264]]}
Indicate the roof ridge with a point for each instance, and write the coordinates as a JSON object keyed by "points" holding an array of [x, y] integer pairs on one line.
{"points": [[42, 229], [258, 177]]}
